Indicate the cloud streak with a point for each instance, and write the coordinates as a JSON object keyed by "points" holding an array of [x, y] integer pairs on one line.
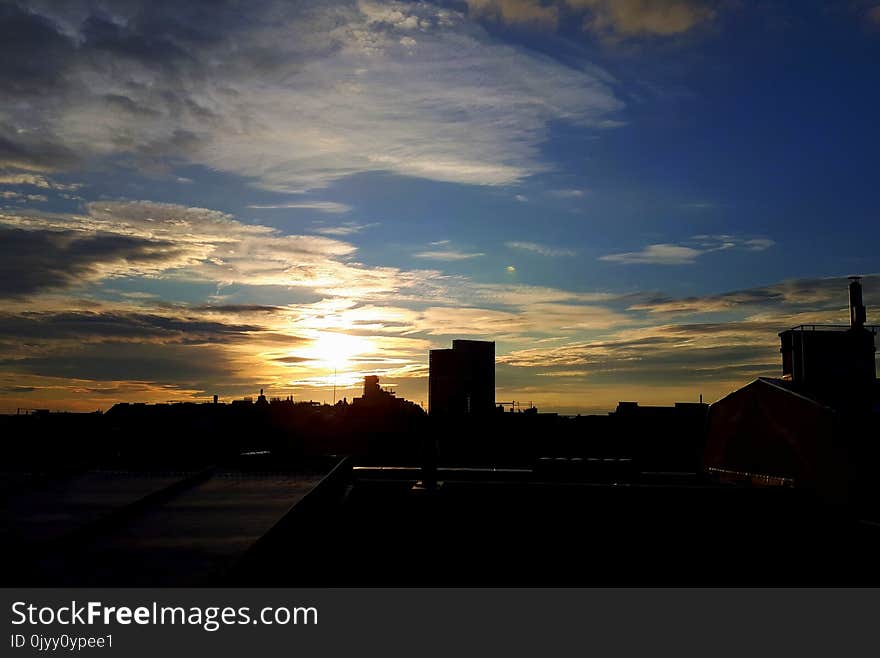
{"points": [[687, 254], [449, 255], [540, 249], [321, 206]]}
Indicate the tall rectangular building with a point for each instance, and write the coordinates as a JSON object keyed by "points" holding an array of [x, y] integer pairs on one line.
{"points": [[462, 379]]}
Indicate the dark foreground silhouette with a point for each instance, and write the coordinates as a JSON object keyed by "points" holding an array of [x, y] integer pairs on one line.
{"points": [[774, 484]]}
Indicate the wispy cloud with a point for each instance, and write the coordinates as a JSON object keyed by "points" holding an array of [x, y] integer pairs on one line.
{"points": [[811, 296], [687, 254], [656, 254], [320, 206], [310, 94], [567, 193], [447, 255], [724, 241], [22, 198], [758, 244], [541, 249], [36, 180], [346, 228]]}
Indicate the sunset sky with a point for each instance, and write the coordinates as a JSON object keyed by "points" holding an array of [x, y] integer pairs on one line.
{"points": [[632, 198]]}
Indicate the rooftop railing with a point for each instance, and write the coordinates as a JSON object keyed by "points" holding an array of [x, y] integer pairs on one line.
{"points": [[832, 327]]}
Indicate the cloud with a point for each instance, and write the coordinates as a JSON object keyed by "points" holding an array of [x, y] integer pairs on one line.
{"points": [[447, 255], [528, 12], [618, 18], [34, 152], [494, 294], [567, 193], [630, 18], [21, 198], [320, 206], [146, 362], [18, 389], [37, 261], [120, 325], [540, 249], [25, 179], [675, 254], [144, 239], [347, 228], [663, 354], [235, 309], [443, 320], [723, 241], [563, 373], [523, 319], [656, 254], [813, 297], [758, 244], [36, 180], [310, 92], [82, 341], [141, 238]]}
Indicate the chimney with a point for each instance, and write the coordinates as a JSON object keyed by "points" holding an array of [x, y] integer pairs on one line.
{"points": [[857, 315]]}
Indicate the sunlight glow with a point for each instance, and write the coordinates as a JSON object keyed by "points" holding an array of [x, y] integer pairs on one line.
{"points": [[333, 351]]}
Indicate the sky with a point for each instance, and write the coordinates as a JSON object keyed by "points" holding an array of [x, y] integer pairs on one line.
{"points": [[630, 197]]}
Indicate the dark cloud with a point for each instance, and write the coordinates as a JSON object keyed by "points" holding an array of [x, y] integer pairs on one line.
{"points": [[239, 308], [198, 366], [152, 49], [33, 153], [95, 326], [290, 359], [35, 261], [33, 52], [126, 104]]}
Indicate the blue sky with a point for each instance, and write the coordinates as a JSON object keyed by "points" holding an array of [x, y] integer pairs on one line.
{"points": [[631, 197]]}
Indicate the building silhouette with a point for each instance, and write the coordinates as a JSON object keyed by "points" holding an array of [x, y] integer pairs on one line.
{"points": [[378, 399], [827, 357], [810, 428], [462, 379]]}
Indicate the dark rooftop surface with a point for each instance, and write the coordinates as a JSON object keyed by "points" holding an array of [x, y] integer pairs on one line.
{"points": [[508, 528], [189, 531], [481, 527], [41, 512]]}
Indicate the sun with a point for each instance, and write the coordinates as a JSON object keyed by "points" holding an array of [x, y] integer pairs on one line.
{"points": [[334, 351]]}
